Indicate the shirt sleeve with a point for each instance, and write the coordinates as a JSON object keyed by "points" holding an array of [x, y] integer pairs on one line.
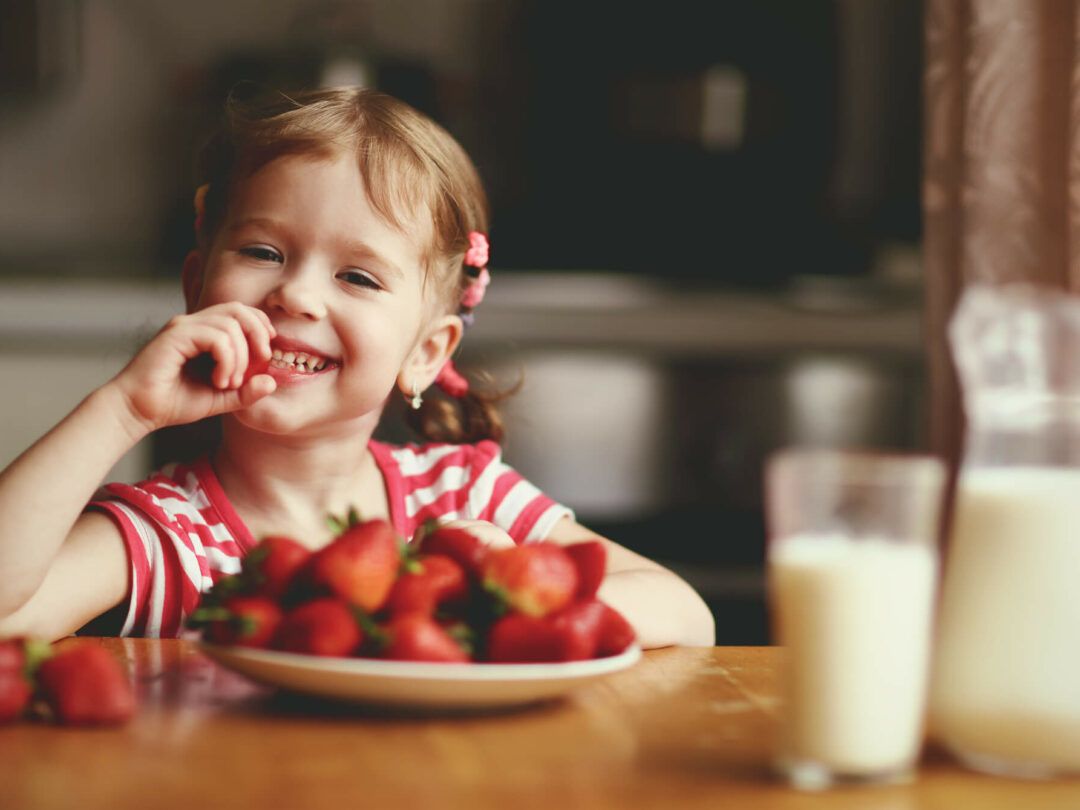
{"points": [[499, 494], [169, 569]]}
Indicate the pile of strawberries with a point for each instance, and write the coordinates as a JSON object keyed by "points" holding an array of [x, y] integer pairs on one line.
{"points": [[78, 683], [445, 597]]}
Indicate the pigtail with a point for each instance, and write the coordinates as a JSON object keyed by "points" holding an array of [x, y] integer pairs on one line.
{"points": [[471, 417]]}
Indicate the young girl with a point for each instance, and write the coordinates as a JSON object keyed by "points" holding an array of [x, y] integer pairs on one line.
{"points": [[340, 253]]}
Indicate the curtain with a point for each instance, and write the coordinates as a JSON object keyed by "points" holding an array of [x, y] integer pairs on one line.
{"points": [[1001, 173]]}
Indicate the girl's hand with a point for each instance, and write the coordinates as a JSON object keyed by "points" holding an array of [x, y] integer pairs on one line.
{"points": [[487, 533], [160, 386]]}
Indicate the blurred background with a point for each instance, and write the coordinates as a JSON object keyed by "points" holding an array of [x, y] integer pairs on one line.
{"points": [[706, 232]]}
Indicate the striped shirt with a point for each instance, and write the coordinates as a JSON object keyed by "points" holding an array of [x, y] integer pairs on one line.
{"points": [[182, 533]]}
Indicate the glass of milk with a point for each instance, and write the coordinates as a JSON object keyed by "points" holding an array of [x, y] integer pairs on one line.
{"points": [[1005, 694], [852, 569]]}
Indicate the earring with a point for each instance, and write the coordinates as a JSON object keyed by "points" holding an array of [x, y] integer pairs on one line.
{"points": [[416, 400]]}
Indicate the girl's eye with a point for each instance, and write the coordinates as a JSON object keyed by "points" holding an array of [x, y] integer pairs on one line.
{"points": [[359, 279], [262, 254]]}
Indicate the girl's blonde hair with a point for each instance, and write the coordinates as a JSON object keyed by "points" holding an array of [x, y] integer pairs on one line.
{"points": [[411, 168]]}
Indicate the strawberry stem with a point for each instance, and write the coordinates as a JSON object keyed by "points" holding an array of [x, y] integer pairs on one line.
{"points": [[35, 652]]}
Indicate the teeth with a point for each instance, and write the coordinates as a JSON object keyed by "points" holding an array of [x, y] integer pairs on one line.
{"points": [[297, 361]]}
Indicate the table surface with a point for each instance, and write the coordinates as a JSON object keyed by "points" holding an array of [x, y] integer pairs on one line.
{"points": [[683, 728]]}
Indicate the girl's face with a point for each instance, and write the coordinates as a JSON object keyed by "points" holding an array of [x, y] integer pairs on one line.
{"points": [[302, 242]]}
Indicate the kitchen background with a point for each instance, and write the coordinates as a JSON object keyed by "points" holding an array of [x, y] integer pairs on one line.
{"points": [[705, 240]]}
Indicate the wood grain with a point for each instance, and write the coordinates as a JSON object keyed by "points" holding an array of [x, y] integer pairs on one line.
{"points": [[684, 728]]}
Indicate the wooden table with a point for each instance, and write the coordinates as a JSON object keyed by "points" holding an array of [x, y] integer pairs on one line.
{"points": [[683, 728]]}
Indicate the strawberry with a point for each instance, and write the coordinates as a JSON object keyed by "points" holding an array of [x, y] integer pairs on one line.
{"points": [[359, 566], [534, 579], [15, 688], [457, 544], [272, 564], [84, 684], [326, 626], [590, 559], [429, 581], [416, 637], [246, 621], [616, 633], [518, 638], [585, 629], [579, 626], [15, 692], [12, 654]]}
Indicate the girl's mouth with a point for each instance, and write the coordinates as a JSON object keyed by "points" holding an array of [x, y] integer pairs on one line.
{"points": [[300, 362]]}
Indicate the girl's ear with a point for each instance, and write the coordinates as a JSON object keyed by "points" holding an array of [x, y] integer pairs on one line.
{"points": [[430, 354], [191, 277]]}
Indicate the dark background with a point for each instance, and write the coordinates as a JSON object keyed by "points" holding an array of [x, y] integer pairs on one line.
{"points": [[712, 148]]}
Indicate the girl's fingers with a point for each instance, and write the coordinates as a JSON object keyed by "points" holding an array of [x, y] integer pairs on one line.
{"points": [[258, 330], [221, 349], [240, 350], [249, 337], [252, 391]]}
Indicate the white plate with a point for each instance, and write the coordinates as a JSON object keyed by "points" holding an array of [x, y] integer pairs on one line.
{"points": [[418, 685]]}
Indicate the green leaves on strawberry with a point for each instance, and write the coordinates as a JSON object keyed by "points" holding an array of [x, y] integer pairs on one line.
{"points": [[535, 579]]}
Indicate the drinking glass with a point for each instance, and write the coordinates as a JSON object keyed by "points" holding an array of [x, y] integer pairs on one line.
{"points": [[852, 570]]}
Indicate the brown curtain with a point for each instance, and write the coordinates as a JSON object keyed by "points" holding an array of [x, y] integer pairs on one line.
{"points": [[1001, 190]]}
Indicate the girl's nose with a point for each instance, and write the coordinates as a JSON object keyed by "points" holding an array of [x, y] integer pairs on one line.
{"points": [[298, 297]]}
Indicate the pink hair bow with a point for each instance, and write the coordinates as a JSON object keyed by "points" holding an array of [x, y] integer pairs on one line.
{"points": [[477, 254], [474, 294]]}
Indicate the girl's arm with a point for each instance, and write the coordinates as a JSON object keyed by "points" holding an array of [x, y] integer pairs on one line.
{"points": [[662, 607], [43, 493], [60, 567]]}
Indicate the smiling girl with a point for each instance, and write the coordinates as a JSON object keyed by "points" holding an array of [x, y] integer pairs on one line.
{"points": [[341, 250]]}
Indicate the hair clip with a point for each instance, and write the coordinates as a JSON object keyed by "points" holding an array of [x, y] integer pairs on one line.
{"points": [[476, 257], [474, 293], [477, 254]]}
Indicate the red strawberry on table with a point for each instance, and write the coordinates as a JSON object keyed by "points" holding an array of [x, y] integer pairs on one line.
{"points": [[85, 684], [430, 581], [272, 564], [326, 626], [15, 687], [534, 579], [15, 692], [459, 545], [416, 637], [246, 621], [12, 654], [359, 566], [590, 559]]}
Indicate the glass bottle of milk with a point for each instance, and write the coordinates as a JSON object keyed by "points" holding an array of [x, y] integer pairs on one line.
{"points": [[1005, 694]]}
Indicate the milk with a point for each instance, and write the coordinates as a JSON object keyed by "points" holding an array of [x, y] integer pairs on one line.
{"points": [[854, 617], [1006, 690]]}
